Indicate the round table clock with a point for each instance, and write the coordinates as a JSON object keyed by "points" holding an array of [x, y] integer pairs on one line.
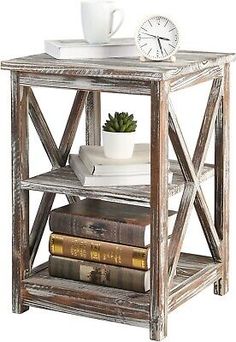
{"points": [[157, 39]]}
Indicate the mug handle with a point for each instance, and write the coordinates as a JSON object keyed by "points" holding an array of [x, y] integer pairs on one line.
{"points": [[118, 10]]}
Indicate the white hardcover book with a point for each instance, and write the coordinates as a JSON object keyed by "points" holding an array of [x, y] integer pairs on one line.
{"points": [[87, 179], [97, 164], [79, 48]]}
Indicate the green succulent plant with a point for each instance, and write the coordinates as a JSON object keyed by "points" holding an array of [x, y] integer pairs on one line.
{"points": [[120, 122]]}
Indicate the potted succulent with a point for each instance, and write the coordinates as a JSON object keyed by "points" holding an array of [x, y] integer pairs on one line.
{"points": [[118, 135]]}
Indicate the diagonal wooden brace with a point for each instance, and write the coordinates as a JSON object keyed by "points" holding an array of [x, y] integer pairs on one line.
{"points": [[192, 172], [58, 158]]}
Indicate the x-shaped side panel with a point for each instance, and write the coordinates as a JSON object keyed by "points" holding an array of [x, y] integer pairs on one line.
{"points": [[192, 170], [57, 156]]}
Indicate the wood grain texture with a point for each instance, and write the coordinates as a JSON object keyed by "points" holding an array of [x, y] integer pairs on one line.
{"points": [[120, 68], [189, 274], [135, 87], [20, 198], [194, 273], [195, 78], [207, 126], [93, 119], [222, 185], [43, 131], [64, 181], [103, 84], [180, 228], [199, 157], [59, 157], [192, 171], [159, 210]]}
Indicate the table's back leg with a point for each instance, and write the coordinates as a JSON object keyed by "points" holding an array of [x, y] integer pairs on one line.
{"points": [[222, 183], [159, 210], [20, 198], [93, 118]]}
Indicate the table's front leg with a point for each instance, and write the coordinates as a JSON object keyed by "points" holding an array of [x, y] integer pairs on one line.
{"points": [[159, 210], [222, 183], [20, 198]]}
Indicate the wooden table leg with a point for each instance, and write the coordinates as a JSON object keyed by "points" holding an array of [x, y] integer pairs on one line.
{"points": [[222, 183], [93, 118], [159, 210], [20, 198]]}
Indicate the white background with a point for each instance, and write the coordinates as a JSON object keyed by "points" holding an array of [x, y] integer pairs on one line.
{"points": [[24, 25]]}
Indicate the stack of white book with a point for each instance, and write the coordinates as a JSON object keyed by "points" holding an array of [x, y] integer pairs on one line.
{"points": [[93, 169]]}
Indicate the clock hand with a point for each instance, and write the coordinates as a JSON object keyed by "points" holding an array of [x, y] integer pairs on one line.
{"points": [[164, 38], [148, 34], [159, 43]]}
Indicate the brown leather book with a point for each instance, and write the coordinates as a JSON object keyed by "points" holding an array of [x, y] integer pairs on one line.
{"points": [[105, 221], [99, 274], [99, 251]]}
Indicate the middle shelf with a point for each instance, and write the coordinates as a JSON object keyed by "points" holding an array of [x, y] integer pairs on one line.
{"points": [[64, 181]]}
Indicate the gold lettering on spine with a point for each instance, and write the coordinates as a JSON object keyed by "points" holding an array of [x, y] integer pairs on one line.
{"points": [[56, 245], [138, 260], [95, 253], [113, 256], [78, 250]]}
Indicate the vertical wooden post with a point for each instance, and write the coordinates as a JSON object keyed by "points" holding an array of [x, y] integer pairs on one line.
{"points": [[20, 198], [93, 118], [222, 182], [159, 210]]}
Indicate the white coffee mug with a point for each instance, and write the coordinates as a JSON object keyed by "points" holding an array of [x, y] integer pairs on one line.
{"points": [[97, 20]]}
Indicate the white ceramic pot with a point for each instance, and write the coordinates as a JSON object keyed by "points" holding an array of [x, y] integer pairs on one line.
{"points": [[118, 145]]}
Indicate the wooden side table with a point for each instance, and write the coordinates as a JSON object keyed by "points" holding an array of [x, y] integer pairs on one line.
{"points": [[175, 276]]}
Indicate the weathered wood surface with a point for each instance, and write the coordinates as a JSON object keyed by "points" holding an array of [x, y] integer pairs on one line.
{"points": [[135, 87], [207, 126], [20, 198], [43, 131], [195, 78], [199, 281], [222, 186], [192, 170], [193, 274], [159, 210], [64, 181], [86, 83], [57, 156], [120, 68], [93, 118], [180, 228]]}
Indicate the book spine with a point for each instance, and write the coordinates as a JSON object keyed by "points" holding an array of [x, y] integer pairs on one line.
{"points": [[97, 273], [104, 252], [97, 229], [86, 161]]}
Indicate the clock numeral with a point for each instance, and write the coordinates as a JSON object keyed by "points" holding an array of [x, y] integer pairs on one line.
{"points": [[149, 51], [142, 46], [172, 46], [165, 52], [149, 21], [174, 28], [144, 29], [158, 21], [167, 20]]}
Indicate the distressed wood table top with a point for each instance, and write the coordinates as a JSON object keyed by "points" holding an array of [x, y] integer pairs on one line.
{"points": [[124, 68]]}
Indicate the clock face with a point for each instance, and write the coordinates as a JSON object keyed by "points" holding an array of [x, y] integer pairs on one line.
{"points": [[157, 38]]}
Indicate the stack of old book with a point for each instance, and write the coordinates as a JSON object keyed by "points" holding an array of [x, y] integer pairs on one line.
{"points": [[93, 169], [102, 243]]}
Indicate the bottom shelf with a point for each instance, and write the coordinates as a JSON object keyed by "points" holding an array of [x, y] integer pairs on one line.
{"points": [[194, 273]]}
